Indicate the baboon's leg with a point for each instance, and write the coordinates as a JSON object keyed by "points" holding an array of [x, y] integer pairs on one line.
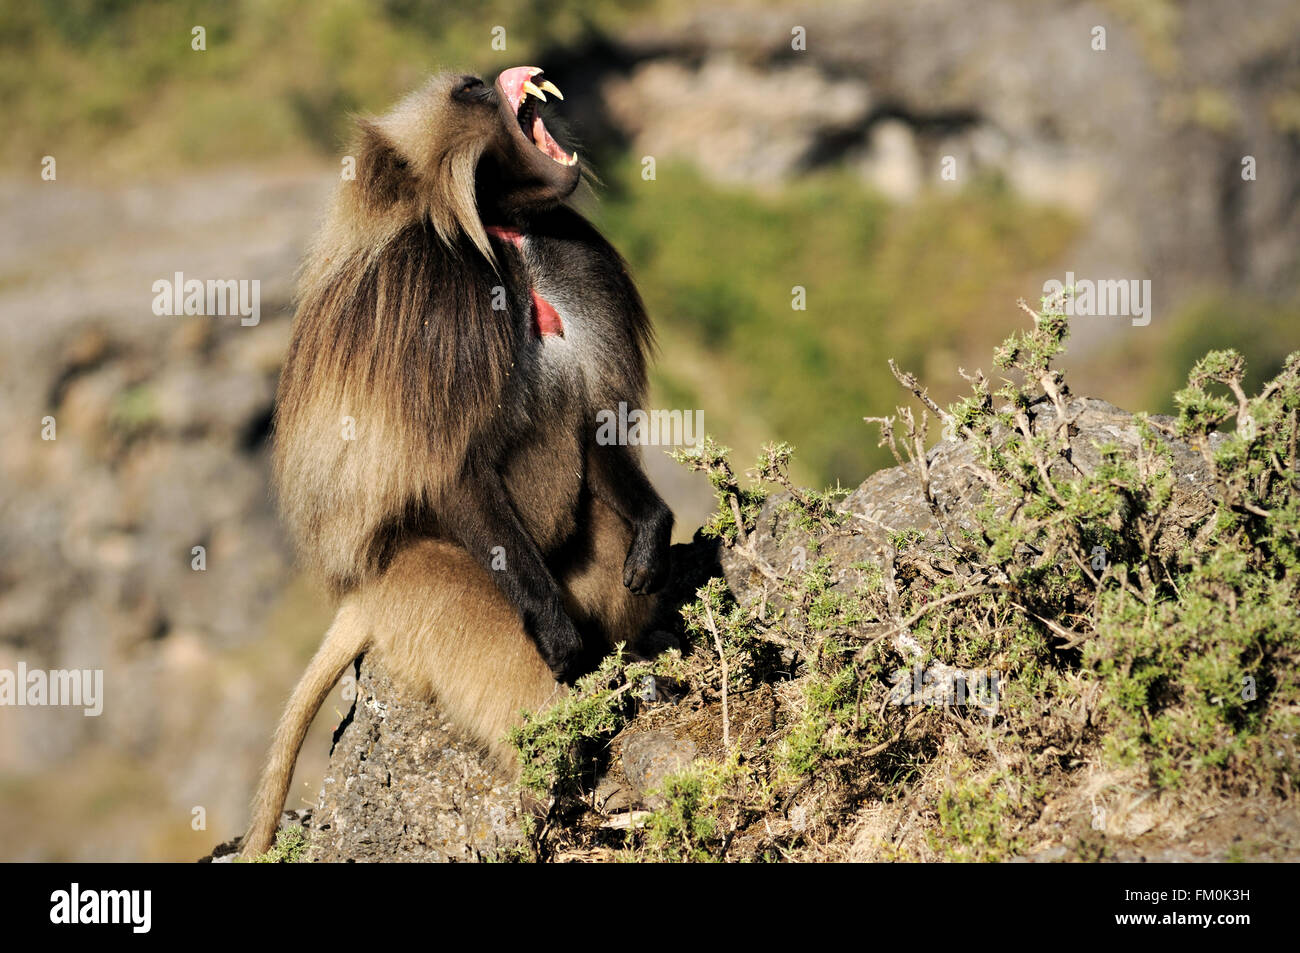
{"points": [[591, 574], [442, 627], [345, 640]]}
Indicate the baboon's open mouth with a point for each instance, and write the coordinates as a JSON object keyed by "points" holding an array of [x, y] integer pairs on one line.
{"points": [[523, 87]]}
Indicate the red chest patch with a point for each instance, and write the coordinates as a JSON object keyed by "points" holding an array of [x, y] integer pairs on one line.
{"points": [[546, 320]]}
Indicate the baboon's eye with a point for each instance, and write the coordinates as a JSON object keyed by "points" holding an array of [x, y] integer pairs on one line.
{"points": [[469, 89]]}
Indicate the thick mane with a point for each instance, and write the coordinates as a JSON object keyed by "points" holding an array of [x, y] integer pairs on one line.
{"points": [[397, 361]]}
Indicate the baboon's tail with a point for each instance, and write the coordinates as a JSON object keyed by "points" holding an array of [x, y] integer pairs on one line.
{"points": [[346, 639]]}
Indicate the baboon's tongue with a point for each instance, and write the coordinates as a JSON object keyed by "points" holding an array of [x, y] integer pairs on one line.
{"points": [[542, 139]]}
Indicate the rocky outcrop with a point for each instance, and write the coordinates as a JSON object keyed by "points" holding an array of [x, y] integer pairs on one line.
{"points": [[890, 501], [402, 785]]}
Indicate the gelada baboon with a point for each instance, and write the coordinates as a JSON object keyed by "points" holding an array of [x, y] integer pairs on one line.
{"points": [[458, 328]]}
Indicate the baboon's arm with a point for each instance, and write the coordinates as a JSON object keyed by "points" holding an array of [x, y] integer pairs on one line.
{"points": [[615, 476], [477, 514]]}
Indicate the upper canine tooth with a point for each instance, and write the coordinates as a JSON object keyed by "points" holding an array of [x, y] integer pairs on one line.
{"points": [[530, 88], [552, 88]]}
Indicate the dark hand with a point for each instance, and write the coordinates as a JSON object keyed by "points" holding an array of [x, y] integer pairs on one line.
{"points": [[646, 567], [559, 642]]}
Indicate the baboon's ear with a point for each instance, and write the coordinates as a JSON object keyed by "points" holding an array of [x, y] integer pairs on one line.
{"points": [[383, 175]]}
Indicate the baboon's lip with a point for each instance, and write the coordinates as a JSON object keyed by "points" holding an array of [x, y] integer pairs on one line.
{"points": [[522, 87]]}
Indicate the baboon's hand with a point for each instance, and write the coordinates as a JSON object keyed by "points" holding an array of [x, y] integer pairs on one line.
{"points": [[646, 567], [559, 642]]}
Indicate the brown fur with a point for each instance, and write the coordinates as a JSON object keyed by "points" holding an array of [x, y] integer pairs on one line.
{"points": [[459, 641], [394, 329]]}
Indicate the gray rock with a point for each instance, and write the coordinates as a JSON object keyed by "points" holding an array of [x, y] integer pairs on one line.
{"points": [[403, 785], [651, 756]]}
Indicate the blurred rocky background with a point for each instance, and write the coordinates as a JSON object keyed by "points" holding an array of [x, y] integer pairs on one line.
{"points": [[790, 145]]}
